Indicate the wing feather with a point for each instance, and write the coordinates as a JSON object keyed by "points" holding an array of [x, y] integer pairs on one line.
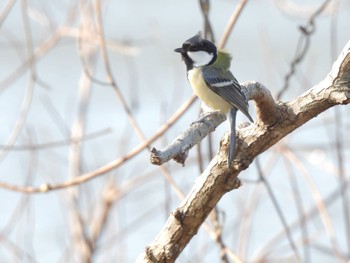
{"points": [[227, 87]]}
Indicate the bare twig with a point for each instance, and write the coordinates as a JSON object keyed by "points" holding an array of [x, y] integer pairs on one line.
{"points": [[330, 199], [250, 209], [278, 210], [27, 99], [6, 10], [45, 187], [232, 22], [58, 143], [341, 172], [110, 77], [208, 30], [303, 45], [45, 47], [320, 205], [300, 207], [78, 223]]}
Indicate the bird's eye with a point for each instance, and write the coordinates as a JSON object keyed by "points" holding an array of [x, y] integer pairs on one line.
{"points": [[186, 46]]}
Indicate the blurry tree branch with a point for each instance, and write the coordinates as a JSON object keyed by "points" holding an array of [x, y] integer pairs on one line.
{"points": [[275, 120], [303, 46], [232, 21], [46, 187]]}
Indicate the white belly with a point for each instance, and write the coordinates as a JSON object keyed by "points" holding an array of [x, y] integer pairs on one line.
{"points": [[206, 95]]}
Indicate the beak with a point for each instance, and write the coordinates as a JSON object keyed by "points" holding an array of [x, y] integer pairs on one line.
{"points": [[179, 50]]}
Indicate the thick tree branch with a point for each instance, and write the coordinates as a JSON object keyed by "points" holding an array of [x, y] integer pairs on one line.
{"points": [[274, 122]]}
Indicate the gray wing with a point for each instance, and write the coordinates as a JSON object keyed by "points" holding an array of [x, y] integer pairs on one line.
{"points": [[227, 87]]}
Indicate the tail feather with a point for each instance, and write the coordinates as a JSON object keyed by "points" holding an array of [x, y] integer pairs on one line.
{"points": [[231, 117]]}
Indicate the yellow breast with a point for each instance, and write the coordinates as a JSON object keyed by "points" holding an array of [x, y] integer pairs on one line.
{"points": [[205, 94]]}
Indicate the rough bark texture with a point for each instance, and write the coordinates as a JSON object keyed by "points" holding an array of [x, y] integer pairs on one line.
{"points": [[274, 121]]}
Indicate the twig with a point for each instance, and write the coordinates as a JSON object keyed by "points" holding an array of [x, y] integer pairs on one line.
{"points": [[42, 50], [341, 173], [27, 99], [232, 22], [45, 187], [78, 224], [208, 30], [303, 46], [250, 209], [319, 204], [6, 10], [313, 212], [59, 143], [110, 77], [299, 206], [278, 210]]}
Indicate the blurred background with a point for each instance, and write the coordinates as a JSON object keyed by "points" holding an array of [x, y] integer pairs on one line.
{"points": [[84, 83]]}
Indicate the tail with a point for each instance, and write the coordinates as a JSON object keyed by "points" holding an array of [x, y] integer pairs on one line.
{"points": [[231, 117]]}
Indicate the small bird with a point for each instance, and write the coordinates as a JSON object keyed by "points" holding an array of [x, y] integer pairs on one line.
{"points": [[212, 81]]}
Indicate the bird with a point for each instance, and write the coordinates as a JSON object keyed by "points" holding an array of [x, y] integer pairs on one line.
{"points": [[208, 72]]}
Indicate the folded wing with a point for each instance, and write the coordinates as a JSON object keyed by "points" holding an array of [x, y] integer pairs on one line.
{"points": [[227, 87]]}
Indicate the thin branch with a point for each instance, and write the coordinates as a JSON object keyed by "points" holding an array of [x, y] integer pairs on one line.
{"points": [[320, 204], [278, 210], [303, 45], [58, 143], [232, 22], [27, 99], [341, 173], [78, 224], [44, 48], [6, 10], [208, 30], [313, 212], [110, 77], [250, 209], [46, 187], [299, 206]]}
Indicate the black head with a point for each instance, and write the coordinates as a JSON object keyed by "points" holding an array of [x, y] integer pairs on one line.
{"points": [[197, 52]]}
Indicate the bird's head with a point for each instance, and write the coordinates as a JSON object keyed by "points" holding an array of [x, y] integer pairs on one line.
{"points": [[197, 52]]}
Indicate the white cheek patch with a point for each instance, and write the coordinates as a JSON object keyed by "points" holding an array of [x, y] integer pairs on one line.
{"points": [[200, 58]]}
